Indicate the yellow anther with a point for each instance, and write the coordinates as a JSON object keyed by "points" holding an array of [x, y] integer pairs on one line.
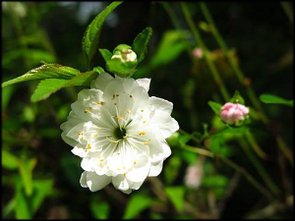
{"points": [[100, 102], [141, 133], [87, 110], [88, 147], [118, 117]]}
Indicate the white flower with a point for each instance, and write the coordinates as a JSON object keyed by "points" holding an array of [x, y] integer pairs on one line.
{"points": [[119, 132]]}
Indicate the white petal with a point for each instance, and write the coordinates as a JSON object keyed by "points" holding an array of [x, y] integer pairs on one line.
{"points": [[164, 123], [137, 175], [159, 150], [156, 169], [93, 181], [120, 182], [145, 83], [101, 81], [161, 104]]}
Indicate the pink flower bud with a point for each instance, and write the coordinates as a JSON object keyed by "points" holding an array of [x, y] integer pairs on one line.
{"points": [[233, 113], [193, 176], [197, 53]]}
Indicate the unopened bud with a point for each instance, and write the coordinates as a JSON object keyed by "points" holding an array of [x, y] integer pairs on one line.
{"points": [[233, 113], [193, 175], [124, 53], [197, 53]]}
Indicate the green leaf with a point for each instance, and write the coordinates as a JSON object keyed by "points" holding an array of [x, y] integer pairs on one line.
{"points": [[49, 86], [22, 209], [99, 209], [42, 189], [136, 204], [26, 171], [140, 43], [6, 96], [9, 161], [172, 169], [215, 181], [44, 72], [215, 107], [121, 69], [106, 54], [172, 44], [176, 196], [273, 99], [91, 35]]}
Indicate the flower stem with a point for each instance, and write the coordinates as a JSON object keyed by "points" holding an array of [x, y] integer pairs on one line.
{"points": [[233, 165], [199, 41], [249, 90]]}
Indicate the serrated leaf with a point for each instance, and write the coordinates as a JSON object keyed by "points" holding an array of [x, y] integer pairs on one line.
{"points": [[9, 161], [140, 43], [49, 86], [215, 107], [106, 54], [44, 72], [136, 204], [273, 99], [92, 33], [176, 196]]}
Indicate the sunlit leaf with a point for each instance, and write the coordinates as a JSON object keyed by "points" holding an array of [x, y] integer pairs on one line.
{"points": [[42, 189], [9, 161], [140, 43], [136, 204], [171, 46], [176, 196], [22, 210], [26, 167], [44, 72], [92, 33], [106, 54], [215, 107], [49, 86], [273, 99]]}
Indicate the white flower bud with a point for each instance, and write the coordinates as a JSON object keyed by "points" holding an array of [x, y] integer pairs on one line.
{"points": [[125, 55]]}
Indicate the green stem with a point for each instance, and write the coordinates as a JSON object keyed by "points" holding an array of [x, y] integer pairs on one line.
{"points": [[240, 76], [234, 65], [260, 169], [201, 44], [233, 165]]}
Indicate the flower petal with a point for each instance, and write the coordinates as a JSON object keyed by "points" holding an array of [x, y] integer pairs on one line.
{"points": [[144, 82], [93, 181]]}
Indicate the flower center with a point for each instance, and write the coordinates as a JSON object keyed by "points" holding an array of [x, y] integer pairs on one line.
{"points": [[119, 133]]}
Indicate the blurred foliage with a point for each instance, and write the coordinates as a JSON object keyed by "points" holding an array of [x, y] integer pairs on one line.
{"points": [[40, 176]]}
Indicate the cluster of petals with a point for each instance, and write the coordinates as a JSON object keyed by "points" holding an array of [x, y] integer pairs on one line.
{"points": [[233, 113], [119, 132]]}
